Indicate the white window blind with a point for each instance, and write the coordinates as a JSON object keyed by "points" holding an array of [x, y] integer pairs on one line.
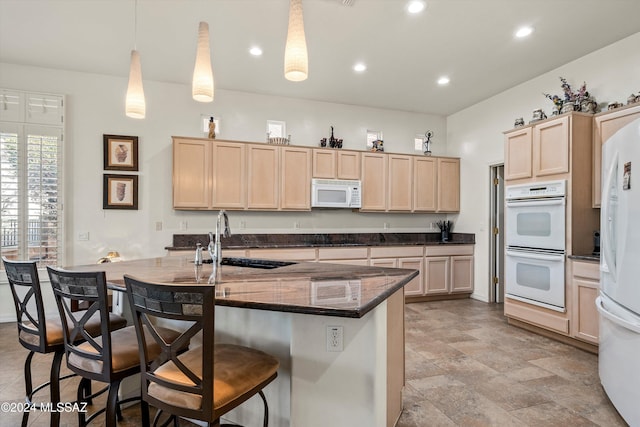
{"points": [[30, 181]]}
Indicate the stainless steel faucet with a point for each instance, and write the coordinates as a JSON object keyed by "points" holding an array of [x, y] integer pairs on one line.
{"points": [[215, 247]]}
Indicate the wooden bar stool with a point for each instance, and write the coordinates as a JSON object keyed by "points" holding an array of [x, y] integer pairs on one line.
{"points": [[204, 382], [40, 334], [107, 358]]}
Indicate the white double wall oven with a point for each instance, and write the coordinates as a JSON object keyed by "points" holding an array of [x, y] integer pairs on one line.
{"points": [[535, 216]]}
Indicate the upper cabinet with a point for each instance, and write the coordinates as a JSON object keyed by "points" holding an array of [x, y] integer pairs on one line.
{"points": [[336, 164], [448, 185], [546, 150], [191, 173], [216, 174], [605, 125]]}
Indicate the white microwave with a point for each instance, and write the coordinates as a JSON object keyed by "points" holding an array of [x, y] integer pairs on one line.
{"points": [[335, 193]]}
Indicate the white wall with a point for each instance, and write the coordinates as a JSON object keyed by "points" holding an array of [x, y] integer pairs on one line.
{"points": [[476, 133], [95, 106]]}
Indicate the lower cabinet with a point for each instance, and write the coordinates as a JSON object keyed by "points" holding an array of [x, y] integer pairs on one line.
{"points": [[410, 257], [448, 269], [585, 282]]}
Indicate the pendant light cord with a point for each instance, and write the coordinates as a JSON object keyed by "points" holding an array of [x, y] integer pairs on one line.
{"points": [[135, 25]]}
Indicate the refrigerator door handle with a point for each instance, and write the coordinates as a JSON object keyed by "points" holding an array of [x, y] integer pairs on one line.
{"points": [[632, 326], [607, 252]]}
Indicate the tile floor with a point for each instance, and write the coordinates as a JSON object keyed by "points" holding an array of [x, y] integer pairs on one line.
{"points": [[465, 367]]}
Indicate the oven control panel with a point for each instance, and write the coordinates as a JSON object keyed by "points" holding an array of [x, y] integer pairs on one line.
{"points": [[536, 190]]}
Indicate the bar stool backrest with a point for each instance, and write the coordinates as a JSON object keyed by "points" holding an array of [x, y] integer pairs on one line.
{"points": [[27, 297], [69, 286], [192, 304]]}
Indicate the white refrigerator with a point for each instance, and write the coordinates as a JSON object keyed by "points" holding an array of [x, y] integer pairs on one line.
{"points": [[619, 300]]}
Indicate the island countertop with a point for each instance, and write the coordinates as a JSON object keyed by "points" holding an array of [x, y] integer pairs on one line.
{"points": [[297, 287]]}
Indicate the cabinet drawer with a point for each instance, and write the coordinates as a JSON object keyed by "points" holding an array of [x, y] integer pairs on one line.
{"points": [[536, 316], [588, 270], [342, 253], [448, 250], [396, 251]]}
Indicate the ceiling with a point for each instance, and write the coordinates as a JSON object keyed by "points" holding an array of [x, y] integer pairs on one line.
{"points": [[471, 41]]}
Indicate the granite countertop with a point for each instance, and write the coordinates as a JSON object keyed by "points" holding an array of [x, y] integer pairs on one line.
{"points": [[249, 241], [298, 287]]}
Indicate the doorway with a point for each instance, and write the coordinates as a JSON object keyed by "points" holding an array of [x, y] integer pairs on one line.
{"points": [[496, 258]]}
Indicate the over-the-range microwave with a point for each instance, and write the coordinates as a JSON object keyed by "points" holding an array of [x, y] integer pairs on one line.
{"points": [[335, 193]]}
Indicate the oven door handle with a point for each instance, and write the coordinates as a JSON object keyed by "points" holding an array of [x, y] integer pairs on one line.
{"points": [[536, 255], [527, 203]]}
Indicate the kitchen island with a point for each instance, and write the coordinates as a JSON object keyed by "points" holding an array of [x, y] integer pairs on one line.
{"points": [[286, 309]]}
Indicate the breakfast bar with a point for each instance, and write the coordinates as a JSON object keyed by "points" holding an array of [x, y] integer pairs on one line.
{"points": [[286, 309]]}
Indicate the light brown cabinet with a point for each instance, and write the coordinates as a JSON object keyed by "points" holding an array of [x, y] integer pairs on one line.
{"points": [[538, 150], [374, 181], [229, 175], [585, 283], [351, 256], [336, 164], [295, 178], [191, 174], [448, 270], [400, 193], [448, 185], [425, 184], [605, 125], [410, 257], [216, 174]]}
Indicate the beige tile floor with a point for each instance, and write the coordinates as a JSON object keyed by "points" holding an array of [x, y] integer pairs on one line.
{"points": [[465, 367]]}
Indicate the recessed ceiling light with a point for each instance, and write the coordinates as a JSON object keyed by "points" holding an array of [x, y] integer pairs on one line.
{"points": [[416, 6], [359, 67], [523, 32], [255, 51], [443, 81]]}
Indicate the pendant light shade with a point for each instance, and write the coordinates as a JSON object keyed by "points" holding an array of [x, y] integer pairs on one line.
{"points": [[202, 87], [135, 105], [296, 62]]}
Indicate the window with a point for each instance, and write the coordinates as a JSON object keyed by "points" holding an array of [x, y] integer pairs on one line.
{"points": [[31, 134]]}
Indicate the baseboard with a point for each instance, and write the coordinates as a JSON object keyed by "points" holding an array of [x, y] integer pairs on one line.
{"points": [[554, 336]]}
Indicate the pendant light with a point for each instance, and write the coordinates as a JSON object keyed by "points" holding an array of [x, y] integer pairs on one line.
{"points": [[296, 62], [202, 86], [135, 106]]}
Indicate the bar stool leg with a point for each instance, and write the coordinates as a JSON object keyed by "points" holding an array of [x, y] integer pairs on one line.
{"points": [[112, 404], [28, 386], [54, 386]]}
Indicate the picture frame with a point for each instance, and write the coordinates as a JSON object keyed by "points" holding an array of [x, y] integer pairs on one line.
{"points": [[120, 191], [120, 152]]}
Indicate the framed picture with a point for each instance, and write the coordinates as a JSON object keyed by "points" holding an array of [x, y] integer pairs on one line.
{"points": [[120, 192], [120, 152]]}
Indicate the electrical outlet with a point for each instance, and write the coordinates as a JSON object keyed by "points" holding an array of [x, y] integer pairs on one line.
{"points": [[335, 338], [386, 225], [243, 225], [183, 225], [158, 225], [296, 225], [83, 236]]}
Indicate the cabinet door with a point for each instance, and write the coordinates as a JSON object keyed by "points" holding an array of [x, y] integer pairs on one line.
{"points": [[295, 179], [448, 185], [374, 182], [229, 176], [416, 286], [461, 274], [585, 318], [400, 191], [551, 147], [191, 173], [605, 126], [424, 184], [324, 164], [518, 154], [263, 176], [348, 165], [436, 275]]}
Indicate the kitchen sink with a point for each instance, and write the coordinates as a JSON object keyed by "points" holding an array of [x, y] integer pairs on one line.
{"points": [[255, 263]]}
